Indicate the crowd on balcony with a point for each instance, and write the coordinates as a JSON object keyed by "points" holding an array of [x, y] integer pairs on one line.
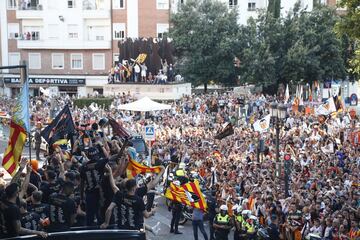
{"points": [[126, 72]]}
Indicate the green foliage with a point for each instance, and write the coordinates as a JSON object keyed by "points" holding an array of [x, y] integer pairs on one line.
{"points": [[300, 47], [274, 8], [349, 23], [348, 27], [85, 102], [204, 33]]}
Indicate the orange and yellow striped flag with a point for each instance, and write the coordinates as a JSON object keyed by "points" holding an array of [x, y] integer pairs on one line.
{"points": [[20, 124], [188, 194], [134, 168], [141, 58]]}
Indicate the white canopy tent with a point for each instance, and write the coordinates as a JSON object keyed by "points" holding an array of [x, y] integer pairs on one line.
{"points": [[144, 105]]}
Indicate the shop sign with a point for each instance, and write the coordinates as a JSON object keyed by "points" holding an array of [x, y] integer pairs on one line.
{"points": [[46, 81]]}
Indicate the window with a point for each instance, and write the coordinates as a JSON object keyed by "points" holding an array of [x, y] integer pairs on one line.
{"points": [[161, 29], [13, 30], [53, 31], [162, 4], [71, 3], [73, 31], [118, 4], [76, 61], [14, 58], [119, 30], [251, 6], [116, 58], [31, 32], [233, 3], [98, 61], [97, 33], [34, 61], [11, 4], [57, 60]]}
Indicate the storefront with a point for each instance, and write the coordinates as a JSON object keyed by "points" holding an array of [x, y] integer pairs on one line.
{"points": [[55, 85]]}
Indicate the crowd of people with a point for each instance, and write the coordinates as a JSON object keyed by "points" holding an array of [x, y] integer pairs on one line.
{"points": [[135, 72], [240, 172]]}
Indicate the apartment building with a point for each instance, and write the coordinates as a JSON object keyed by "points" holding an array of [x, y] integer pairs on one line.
{"points": [[70, 45]]}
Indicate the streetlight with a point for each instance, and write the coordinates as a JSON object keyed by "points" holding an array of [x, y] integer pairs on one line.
{"points": [[278, 115]]}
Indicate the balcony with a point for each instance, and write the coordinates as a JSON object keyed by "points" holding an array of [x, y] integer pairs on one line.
{"points": [[62, 44], [95, 9], [31, 10]]}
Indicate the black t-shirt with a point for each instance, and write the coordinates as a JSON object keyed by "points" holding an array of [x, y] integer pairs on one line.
{"points": [[50, 188], [61, 209], [9, 214], [30, 220], [141, 191], [43, 209], [129, 211], [92, 172], [35, 179]]}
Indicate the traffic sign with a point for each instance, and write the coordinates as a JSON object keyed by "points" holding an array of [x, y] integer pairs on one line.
{"points": [[149, 133]]}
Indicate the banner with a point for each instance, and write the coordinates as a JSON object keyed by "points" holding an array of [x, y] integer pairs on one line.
{"points": [[134, 168], [262, 125], [188, 194], [60, 127]]}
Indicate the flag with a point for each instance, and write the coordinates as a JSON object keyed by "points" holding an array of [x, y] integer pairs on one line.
{"points": [[310, 94], [141, 58], [134, 168], [227, 131], [287, 94], [301, 94], [19, 125], [188, 194], [118, 130], [263, 124], [217, 154], [60, 127], [326, 108]]}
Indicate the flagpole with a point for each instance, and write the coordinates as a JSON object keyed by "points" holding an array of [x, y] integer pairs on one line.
{"points": [[24, 78]]}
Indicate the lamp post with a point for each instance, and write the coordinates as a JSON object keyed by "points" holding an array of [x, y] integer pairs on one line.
{"points": [[278, 115]]}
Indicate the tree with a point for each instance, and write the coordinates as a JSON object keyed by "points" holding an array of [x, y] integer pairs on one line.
{"points": [[300, 47], [274, 7], [204, 34], [348, 25]]}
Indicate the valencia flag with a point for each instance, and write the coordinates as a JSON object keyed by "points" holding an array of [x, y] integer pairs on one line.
{"points": [[60, 128], [188, 194], [20, 124], [134, 168]]}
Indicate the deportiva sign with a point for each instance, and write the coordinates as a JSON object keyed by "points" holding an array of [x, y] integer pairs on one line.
{"points": [[47, 81]]}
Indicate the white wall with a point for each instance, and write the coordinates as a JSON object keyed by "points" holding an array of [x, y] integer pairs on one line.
{"points": [[132, 18], [4, 34]]}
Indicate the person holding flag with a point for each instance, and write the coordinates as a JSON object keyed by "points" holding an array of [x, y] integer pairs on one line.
{"points": [[19, 126]]}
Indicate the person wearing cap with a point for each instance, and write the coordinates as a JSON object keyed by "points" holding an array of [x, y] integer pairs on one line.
{"points": [[176, 209], [91, 174], [222, 224], [181, 174], [237, 221]]}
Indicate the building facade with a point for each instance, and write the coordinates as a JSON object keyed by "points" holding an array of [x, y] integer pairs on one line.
{"points": [[70, 45]]}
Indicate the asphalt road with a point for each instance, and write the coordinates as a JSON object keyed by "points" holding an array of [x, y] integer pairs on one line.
{"points": [[161, 219]]}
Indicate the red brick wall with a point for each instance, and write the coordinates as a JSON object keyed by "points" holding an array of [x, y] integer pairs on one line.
{"points": [[149, 16]]}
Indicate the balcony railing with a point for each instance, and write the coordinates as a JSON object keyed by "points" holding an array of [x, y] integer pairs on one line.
{"points": [[23, 5]]}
